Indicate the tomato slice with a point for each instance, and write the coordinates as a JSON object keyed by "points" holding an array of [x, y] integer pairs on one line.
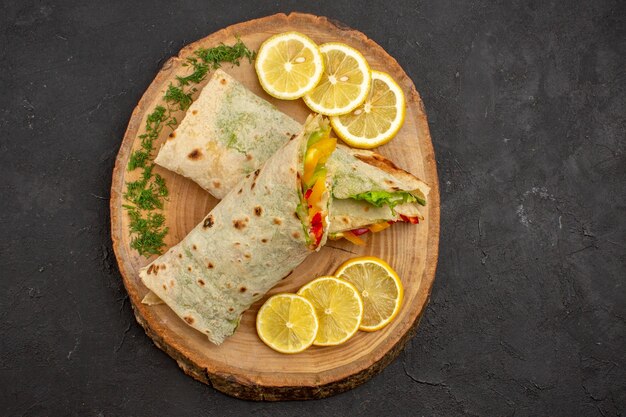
{"points": [[412, 220], [359, 232]]}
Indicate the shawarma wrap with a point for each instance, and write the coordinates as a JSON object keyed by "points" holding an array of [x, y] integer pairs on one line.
{"points": [[227, 133], [369, 189]]}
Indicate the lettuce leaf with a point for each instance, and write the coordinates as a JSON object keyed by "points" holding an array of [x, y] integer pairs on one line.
{"points": [[385, 198]]}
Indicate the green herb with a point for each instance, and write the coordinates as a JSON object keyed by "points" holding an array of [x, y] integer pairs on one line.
{"points": [[212, 58], [178, 96], [224, 53], [148, 232], [200, 70], [385, 198], [149, 192]]}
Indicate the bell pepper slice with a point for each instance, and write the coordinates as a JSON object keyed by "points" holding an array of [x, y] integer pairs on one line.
{"points": [[379, 226], [318, 190], [351, 237], [326, 147]]}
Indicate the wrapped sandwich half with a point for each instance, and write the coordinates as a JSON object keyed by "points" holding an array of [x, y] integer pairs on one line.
{"points": [[370, 193], [227, 133]]}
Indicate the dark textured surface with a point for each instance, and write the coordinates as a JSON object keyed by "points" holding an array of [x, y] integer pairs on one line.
{"points": [[526, 102]]}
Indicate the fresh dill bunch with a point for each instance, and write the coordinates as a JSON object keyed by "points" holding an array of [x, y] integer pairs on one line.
{"points": [[160, 187], [149, 232], [138, 159], [178, 96], [155, 120], [212, 58], [142, 195], [200, 70], [225, 53]]}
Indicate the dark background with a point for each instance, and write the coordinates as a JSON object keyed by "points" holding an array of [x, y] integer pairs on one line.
{"points": [[526, 102]]}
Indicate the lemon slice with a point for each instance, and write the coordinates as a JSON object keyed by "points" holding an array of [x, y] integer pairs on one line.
{"points": [[338, 307], [289, 65], [345, 82], [380, 289], [287, 323], [378, 119]]}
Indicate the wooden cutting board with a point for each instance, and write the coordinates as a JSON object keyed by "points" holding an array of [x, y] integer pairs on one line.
{"points": [[243, 366]]}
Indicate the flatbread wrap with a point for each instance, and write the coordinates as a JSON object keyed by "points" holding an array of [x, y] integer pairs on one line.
{"points": [[370, 190], [227, 133], [251, 240]]}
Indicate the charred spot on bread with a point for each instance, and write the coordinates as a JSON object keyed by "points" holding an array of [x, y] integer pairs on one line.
{"points": [[256, 175], [208, 222], [189, 319], [258, 210], [195, 154], [384, 164], [239, 224], [201, 283]]}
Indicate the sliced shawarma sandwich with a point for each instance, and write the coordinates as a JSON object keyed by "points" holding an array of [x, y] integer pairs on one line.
{"points": [[273, 219], [229, 132], [369, 193]]}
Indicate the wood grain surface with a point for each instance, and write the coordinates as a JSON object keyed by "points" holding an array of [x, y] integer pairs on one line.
{"points": [[243, 366]]}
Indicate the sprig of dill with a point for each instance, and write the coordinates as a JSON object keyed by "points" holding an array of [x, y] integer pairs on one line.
{"points": [[178, 96], [146, 194]]}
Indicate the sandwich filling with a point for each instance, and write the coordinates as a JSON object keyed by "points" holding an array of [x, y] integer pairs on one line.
{"points": [[313, 209]]}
